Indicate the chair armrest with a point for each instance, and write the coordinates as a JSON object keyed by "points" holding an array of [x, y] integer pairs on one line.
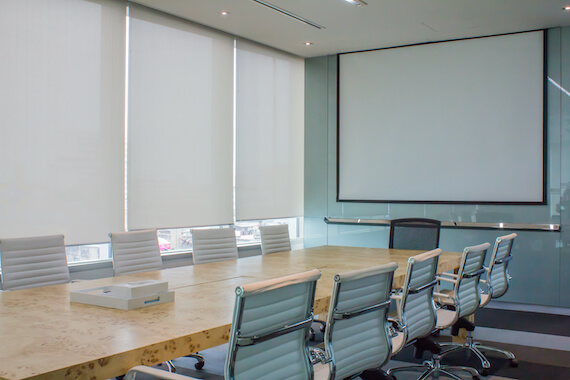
{"points": [[396, 297], [452, 280], [157, 373], [318, 355], [437, 296], [444, 295], [448, 274]]}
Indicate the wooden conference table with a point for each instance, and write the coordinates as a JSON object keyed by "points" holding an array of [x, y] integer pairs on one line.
{"points": [[44, 336]]}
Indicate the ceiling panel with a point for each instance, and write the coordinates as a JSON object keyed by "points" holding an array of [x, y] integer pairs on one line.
{"points": [[382, 23]]}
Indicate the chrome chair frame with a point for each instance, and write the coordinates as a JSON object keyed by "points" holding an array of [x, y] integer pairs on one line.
{"points": [[500, 257]]}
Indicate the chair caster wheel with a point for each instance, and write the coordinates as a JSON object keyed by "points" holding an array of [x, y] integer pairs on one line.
{"points": [[199, 365], [322, 328], [312, 336], [513, 363], [484, 372]]}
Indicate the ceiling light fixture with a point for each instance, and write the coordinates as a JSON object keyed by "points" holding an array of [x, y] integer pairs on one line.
{"points": [[567, 8], [224, 13], [308, 43], [357, 2], [287, 13]]}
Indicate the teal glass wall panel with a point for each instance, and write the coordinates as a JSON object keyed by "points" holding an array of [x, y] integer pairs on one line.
{"points": [[539, 255], [564, 205], [565, 269], [315, 232], [358, 236], [534, 268]]}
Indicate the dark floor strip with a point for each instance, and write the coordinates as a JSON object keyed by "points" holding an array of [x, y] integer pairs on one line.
{"points": [[524, 321], [499, 366]]}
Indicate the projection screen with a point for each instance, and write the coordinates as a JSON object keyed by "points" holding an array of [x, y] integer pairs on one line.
{"points": [[450, 122]]}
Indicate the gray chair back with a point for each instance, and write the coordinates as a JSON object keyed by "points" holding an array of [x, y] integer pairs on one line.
{"points": [[270, 329], [275, 239], [497, 274], [32, 262], [135, 251], [214, 244], [466, 290], [357, 336], [414, 233], [417, 308]]}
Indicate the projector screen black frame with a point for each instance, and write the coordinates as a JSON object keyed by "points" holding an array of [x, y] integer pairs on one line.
{"points": [[544, 131]]}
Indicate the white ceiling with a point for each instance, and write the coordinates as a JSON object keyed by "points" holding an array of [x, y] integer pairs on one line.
{"points": [[382, 23]]}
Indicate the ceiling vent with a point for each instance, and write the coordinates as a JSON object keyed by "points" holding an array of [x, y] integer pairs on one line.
{"points": [[290, 14]]}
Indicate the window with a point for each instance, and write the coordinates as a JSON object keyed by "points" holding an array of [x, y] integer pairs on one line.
{"points": [[179, 240], [88, 253], [163, 123]]}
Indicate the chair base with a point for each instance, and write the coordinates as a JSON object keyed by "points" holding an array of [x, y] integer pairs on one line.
{"points": [[322, 327], [376, 374], [476, 348], [198, 365], [434, 367]]}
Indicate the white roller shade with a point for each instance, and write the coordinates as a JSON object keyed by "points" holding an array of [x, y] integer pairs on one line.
{"points": [[270, 132], [180, 148], [62, 118]]}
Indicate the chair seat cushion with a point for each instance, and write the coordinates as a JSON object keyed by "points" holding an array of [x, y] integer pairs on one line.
{"points": [[397, 342], [445, 318], [485, 298], [321, 371]]}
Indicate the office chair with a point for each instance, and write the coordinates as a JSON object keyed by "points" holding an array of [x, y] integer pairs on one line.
{"points": [[461, 300], [417, 316], [154, 373], [357, 337], [269, 333], [135, 251], [497, 284], [214, 244], [274, 238], [32, 262], [138, 251], [414, 233]]}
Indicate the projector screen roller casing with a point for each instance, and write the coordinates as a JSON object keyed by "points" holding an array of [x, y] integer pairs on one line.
{"points": [[450, 122]]}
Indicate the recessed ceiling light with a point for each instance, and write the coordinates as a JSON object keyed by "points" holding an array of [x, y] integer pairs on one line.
{"points": [[357, 2], [308, 43], [224, 13], [567, 8]]}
